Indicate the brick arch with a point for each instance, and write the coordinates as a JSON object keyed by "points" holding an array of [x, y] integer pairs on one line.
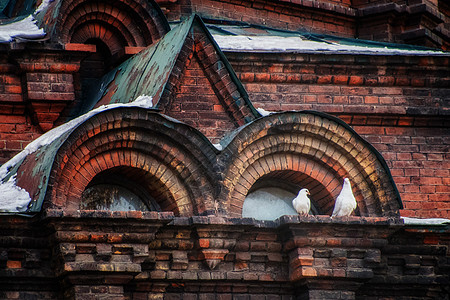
{"points": [[115, 34], [137, 22], [175, 159], [109, 35], [328, 149], [157, 183]]}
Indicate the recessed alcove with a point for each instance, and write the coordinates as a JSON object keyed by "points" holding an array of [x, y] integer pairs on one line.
{"points": [[271, 197], [122, 189]]}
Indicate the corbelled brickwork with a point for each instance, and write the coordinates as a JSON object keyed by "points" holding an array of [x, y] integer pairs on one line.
{"points": [[155, 255]]}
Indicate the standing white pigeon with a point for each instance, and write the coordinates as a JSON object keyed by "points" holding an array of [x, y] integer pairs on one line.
{"points": [[345, 202], [301, 203]]}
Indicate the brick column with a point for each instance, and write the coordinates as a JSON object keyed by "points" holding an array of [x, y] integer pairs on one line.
{"points": [[330, 258], [48, 82], [96, 253]]}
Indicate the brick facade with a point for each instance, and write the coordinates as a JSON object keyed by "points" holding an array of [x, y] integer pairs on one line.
{"points": [[81, 255], [201, 147], [397, 103]]}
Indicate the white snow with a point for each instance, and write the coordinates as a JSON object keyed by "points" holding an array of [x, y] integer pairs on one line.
{"points": [[297, 44], [432, 221], [9, 191], [25, 28], [218, 146], [264, 112], [144, 101], [13, 198]]}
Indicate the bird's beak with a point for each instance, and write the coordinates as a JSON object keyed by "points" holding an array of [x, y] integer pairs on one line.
{"points": [[307, 193]]}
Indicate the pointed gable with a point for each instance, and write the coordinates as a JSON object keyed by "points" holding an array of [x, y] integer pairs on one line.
{"points": [[189, 79], [196, 103]]}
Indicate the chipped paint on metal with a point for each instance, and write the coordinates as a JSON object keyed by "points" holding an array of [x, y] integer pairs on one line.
{"points": [[146, 73]]}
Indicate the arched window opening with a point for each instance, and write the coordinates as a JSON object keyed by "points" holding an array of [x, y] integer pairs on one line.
{"points": [[119, 189], [271, 196], [97, 64], [92, 69]]}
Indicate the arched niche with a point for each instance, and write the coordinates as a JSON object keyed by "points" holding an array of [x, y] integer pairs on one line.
{"points": [[312, 150], [116, 25], [169, 160], [125, 189]]}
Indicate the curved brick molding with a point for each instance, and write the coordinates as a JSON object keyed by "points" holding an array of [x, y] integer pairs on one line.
{"points": [[185, 174], [171, 159], [118, 24], [307, 149]]}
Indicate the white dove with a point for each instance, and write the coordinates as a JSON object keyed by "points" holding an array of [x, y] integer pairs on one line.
{"points": [[301, 203], [345, 202]]}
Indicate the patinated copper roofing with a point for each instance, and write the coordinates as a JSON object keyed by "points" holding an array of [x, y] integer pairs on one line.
{"points": [[11, 10], [147, 73], [315, 42]]}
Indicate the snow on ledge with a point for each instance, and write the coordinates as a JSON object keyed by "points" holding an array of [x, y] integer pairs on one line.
{"points": [[297, 44], [14, 198], [264, 112], [218, 146], [25, 28], [433, 221]]}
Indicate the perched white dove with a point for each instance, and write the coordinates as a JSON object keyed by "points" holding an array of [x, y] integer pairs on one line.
{"points": [[301, 203], [345, 202]]}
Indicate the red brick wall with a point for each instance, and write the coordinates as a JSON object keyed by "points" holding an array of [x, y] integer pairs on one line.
{"points": [[197, 104], [335, 17], [419, 160], [396, 103], [414, 22], [16, 129]]}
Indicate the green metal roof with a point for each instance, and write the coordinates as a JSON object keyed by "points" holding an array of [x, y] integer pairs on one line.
{"points": [[237, 28], [148, 72], [12, 10]]}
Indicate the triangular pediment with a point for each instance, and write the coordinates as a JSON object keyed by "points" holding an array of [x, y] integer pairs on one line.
{"points": [[203, 90], [188, 77]]}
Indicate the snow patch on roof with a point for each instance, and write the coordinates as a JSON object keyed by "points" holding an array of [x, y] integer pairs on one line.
{"points": [[12, 197], [25, 28], [433, 221], [297, 44], [264, 112], [144, 101], [218, 146]]}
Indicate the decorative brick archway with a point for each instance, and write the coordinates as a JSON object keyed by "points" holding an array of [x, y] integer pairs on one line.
{"points": [[308, 149], [174, 160], [118, 24]]}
